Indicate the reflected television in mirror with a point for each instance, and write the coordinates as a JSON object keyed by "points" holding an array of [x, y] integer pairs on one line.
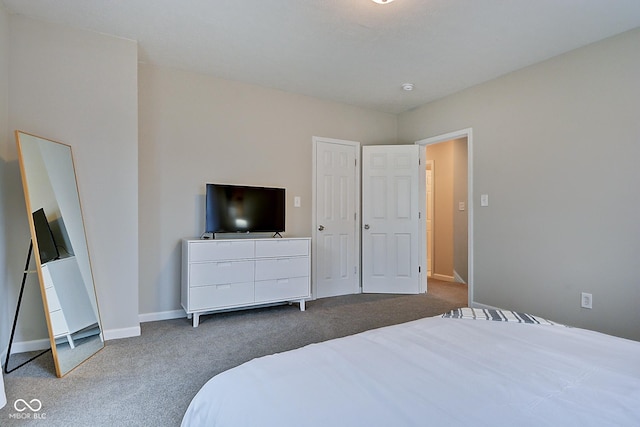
{"points": [[46, 242]]}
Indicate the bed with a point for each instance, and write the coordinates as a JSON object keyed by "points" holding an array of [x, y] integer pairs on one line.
{"points": [[469, 367]]}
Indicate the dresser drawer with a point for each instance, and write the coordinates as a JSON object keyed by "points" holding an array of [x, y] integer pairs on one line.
{"points": [[221, 272], [280, 268], [222, 250], [220, 296], [58, 323], [282, 247], [53, 303], [46, 277], [282, 289]]}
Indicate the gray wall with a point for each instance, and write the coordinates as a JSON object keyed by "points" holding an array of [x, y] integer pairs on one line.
{"points": [[556, 146], [79, 88], [4, 137], [195, 129]]}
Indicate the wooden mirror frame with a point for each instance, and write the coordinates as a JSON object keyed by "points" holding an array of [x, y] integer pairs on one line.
{"points": [[65, 301]]}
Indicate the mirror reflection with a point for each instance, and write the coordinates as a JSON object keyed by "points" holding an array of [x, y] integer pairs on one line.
{"points": [[60, 250]]}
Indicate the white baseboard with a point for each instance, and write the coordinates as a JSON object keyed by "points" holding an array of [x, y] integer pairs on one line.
{"points": [[457, 278], [33, 345], [442, 277], [3, 356], [116, 334], [109, 334], [161, 315], [44, 343]]}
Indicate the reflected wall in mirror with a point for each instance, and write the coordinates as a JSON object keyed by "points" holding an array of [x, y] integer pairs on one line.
{"points": [[60, 250]]}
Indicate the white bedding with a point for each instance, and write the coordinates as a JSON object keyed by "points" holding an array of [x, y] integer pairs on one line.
{"points": [[434, 372]]}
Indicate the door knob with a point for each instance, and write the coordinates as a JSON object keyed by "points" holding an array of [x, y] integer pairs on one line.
{"points": [[366, 226], [320, 227]]}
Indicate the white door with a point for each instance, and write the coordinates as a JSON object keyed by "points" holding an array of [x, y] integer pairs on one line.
{"points": [[391, 219], [336, 252]]}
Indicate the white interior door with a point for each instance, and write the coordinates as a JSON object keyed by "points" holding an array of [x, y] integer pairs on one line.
{"points": [[336, 252], [391, 219]]}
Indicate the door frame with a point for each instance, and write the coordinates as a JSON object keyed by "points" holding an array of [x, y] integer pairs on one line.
{"points": [[314, 203], [468, 133]]}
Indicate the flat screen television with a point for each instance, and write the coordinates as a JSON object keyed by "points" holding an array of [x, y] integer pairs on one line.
{"points": [[244, 209], [46, 243]]}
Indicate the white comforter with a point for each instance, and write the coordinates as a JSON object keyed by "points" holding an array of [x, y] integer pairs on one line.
{"points": [[434, 372]]}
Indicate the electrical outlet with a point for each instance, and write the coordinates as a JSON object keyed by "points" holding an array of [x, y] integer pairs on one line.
{"points": [[587, 300]]}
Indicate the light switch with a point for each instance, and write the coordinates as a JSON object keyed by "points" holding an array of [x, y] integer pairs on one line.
{"points": [[484, 200], [296, 202], [460, 206]]}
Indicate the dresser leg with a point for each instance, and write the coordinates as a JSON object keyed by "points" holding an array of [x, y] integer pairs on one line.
{"points": [[302, 305], [196, 320], [71, 344]]}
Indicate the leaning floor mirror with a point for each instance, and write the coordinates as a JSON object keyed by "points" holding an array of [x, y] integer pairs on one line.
{"points": [[60, 250]]}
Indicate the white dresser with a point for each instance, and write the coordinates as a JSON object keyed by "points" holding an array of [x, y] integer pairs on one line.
{"points": [[68, 303], [224, 274], [65, 267]]}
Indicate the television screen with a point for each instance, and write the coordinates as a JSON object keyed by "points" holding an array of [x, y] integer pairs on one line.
{"points": [[46, 244], [244, 209]]}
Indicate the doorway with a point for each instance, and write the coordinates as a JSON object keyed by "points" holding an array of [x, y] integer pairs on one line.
{"points": [[451, 235], [429, 171]]}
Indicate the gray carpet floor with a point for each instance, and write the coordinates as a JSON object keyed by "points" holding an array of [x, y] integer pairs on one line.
{"points": [[150, 380]]}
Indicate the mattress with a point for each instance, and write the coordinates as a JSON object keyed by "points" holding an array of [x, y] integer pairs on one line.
{"points": [[458, 370]]}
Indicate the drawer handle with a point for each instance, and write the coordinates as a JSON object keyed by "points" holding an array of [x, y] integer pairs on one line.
{"points": [[223, 264], [282, 281], [223, 287]]}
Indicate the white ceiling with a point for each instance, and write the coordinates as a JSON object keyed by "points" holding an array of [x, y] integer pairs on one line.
{"points": [[352, 51]]}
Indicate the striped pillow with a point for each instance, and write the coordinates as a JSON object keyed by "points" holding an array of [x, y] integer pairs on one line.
{"points": [[497, 315]]}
